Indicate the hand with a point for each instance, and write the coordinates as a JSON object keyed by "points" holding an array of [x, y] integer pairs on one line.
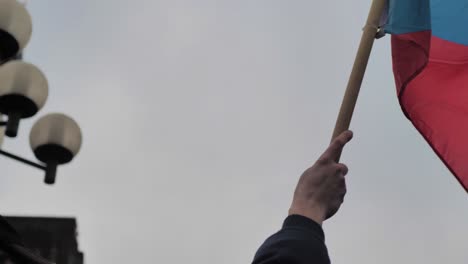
{"points": [[321, 188]]}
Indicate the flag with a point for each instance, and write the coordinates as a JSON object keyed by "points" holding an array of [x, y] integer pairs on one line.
{"points": [[430, 64]]}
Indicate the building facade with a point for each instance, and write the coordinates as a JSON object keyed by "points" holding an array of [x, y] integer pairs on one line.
{"points": [[54, 239]]}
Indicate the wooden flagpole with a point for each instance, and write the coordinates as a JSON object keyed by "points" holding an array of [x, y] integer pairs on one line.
{"points": [[359, 68]]}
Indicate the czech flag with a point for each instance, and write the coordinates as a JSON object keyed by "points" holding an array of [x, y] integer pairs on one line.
{"points": [[430, 64]]}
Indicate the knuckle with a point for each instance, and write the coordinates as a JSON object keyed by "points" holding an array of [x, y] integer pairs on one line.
{"points": [[340, 169], [336, 169], [343, 168]]}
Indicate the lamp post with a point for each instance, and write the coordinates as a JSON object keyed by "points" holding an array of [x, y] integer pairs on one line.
{"points": [[55, 138]]}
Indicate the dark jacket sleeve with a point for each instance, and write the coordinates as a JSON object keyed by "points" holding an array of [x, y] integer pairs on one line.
{"points": [[300, 241]]}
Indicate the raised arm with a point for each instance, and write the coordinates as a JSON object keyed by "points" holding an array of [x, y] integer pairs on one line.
{"points": [[318, 196]]}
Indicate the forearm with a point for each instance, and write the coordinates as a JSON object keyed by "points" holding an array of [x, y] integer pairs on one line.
{"points": [[300, 241]]}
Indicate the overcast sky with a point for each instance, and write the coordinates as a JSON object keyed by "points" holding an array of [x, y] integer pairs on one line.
{"points": [[198, 118]]}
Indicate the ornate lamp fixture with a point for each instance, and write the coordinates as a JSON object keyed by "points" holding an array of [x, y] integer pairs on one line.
{"points": [[56, 138]]}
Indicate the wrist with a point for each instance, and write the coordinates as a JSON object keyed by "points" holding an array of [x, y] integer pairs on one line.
{"points": [[317, 214]]}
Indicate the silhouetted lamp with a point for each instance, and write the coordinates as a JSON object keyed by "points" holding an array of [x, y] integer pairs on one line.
{"points": [[15, 28], [23, 92], [55, 139]]}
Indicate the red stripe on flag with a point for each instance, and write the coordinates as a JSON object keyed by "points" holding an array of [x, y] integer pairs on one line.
{"points": [[432, 83]]}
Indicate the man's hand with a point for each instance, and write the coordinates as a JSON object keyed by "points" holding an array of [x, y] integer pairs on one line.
{"points": [[321, 188]]}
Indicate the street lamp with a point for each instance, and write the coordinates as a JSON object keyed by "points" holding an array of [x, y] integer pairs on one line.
{"points": [[56, 138], [23, 92], [15, 28]]}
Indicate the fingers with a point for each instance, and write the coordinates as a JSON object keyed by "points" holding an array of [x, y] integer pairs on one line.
{"points": [[342, 168], [337, 145]]}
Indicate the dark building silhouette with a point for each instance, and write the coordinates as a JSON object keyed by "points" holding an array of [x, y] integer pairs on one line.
{"points": [[52, 238]]}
